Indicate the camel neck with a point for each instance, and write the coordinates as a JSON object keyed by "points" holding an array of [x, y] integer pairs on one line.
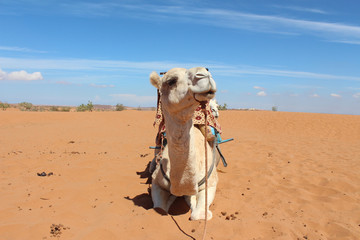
{"points": [[179, 138], [182, 154]]}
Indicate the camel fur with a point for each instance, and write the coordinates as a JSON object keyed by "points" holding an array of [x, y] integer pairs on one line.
{"points": [[183, 158]]}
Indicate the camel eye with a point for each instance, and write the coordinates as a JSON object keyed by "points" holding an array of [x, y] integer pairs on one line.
{"points": [[172, 81]]}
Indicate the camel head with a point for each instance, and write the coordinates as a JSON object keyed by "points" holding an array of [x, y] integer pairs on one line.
{"points": [[214, 106], [182, 89]]}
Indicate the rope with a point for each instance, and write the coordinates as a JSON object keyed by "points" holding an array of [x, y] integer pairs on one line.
{"points": [[203, 106]]}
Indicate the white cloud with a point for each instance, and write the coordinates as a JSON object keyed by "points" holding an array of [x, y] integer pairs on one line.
{"points": [[335, 95], [253, 70], [331, 31], [356, 95], [277, 24], [261, 94], [101, 86], [257, 22], [147, 67], [224, 18], [302, 9], [347, 42], [90, 64], [20, 76], [2, 75], [259, 88], [20, 49], [314, 95]]}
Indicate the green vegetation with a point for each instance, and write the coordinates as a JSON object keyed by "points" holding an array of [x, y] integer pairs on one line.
{"points": [[54, 108], [25, 106], [4, 106], [65, 109], [223, 107], [36, 109], [119, 107], [90, 106], [274, 108], [83, 108]]}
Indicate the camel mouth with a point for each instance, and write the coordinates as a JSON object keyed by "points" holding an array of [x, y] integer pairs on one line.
{"points": [[205, 96], [210, 94]]}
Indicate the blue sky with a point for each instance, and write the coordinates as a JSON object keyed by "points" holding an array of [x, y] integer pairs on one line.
{"points": [[298, 55]]}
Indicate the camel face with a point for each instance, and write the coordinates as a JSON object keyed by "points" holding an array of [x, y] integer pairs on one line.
{"points": [[175, 86], [182, 88], [203, 85], [214, 106]]}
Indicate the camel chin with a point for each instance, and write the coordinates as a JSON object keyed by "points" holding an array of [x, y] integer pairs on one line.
{"points": [[201, 97]]}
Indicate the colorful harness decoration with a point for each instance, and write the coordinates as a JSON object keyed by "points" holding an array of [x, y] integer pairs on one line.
{"points": [[198, 118], [212, 127]]}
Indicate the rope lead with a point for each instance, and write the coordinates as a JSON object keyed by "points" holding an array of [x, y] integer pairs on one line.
{"points": [[203, 107]]}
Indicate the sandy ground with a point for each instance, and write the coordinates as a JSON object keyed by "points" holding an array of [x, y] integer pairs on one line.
{"points": [[290, 176]]}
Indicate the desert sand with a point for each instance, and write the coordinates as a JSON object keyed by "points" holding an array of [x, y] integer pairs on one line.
{"points": [[290, 176]]}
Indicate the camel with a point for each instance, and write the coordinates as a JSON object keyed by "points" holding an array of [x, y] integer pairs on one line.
{"points": [[182, 165], [214, 106]]}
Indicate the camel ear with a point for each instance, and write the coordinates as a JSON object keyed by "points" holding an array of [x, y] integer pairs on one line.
{"points": [[155, 80]]}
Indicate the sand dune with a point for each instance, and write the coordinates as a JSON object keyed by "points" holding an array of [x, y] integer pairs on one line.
{"points": [[290, 176]]}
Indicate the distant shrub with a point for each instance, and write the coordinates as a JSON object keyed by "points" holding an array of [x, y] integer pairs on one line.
{"points": [[83, 108], [4, 106], [274, 108], [25, 106], [119, 107], [223, 107], [90, 106], [54, 108], [65, 109]]}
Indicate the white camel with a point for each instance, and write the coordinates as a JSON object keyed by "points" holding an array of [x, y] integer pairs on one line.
{"points": [[214, 106], [182, 166]]}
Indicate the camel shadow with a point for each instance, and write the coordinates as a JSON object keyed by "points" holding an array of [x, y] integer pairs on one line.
{"points": [[144, 200]]}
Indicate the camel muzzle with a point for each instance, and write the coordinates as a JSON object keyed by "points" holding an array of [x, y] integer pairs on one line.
{"points": [[203, 83]]}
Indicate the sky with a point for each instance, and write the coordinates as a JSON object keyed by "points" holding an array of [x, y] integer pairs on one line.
{"points": [[295, 55]]}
